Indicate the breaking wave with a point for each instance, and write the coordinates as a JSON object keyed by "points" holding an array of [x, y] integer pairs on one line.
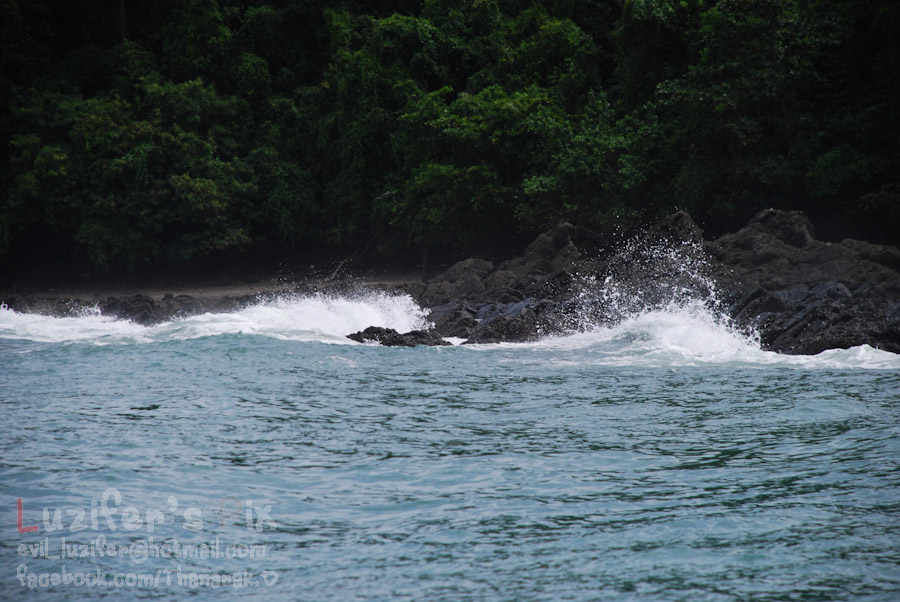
{"points": [[655, 306], [320, 317]]}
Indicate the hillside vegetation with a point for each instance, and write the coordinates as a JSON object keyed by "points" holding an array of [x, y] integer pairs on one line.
{"points": [[144, 131]]}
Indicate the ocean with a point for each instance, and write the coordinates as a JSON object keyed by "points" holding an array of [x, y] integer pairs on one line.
{"points": [[262, 454]]}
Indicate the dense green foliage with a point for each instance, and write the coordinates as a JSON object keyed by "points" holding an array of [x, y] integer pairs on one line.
{"points": [[137, 131]]}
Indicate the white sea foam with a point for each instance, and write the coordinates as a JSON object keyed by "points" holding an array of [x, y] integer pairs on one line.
{"points": [[89, 327], [692, 334], [324, 318], [678, 335], [682, 333], [657, 305]]}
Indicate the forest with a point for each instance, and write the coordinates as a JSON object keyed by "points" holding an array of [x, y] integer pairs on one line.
{"points": [[139, 133]]}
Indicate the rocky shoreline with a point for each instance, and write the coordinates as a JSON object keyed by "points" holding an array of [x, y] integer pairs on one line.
{"points": [[799, 294], [773, 277]]}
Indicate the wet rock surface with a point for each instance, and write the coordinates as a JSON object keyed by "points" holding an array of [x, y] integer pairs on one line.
{"points": [[804, 295], [801, 295], [773, 277], [388, 337]]}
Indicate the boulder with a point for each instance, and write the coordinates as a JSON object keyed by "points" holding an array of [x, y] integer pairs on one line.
{"points": [[140, 309], [388, 337], [454, 320], [804, 295], [677, 228], [506, 329]]}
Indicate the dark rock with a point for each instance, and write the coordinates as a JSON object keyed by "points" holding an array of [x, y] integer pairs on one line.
{"points": [[676, 228], [489, 312], [388, 337], [804, 295], [179, 306], [140, 309], [506, 329], [466, 269], [566, 257], [551, 250], [463, 279], [416, 290], [893, 313], [791, 227], [800, 294], [501, 279], [516, 322], [144, 310], [550, 243], [454, 320], [469, 287], [884, 255], [832, 290], [891, 336]]}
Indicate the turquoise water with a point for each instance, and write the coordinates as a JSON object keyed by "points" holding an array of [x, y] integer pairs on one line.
{"points": [[666, 458]]}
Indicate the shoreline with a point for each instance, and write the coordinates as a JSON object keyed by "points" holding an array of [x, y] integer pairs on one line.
{"points": [[773, 276]]}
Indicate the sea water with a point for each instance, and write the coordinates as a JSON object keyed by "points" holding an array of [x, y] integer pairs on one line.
{"points": [[262, 454]]}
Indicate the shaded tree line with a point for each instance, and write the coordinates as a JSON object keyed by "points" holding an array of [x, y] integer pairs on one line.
{"points": [[137, 131]]}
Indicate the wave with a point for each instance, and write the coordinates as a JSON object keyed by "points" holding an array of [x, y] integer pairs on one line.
{"points": [[689, 334], [319, 317], [682, 333]]}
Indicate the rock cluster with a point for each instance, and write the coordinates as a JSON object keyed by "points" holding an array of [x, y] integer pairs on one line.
{"points": [[801, 295]]}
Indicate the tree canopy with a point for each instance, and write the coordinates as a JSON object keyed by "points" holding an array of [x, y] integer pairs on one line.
{"points": [[138, 131]]}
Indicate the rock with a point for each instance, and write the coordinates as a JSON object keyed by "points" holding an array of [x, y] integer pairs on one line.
{"points": [[677, 228], [463, 279], [884, 255], [501, 279], [388, 337], [454, 320], [514, 322], [551, 250], [140, 309], [832, 290], [803, 295], [467, 269], [566, 257], [550, 243], [800, 294], [791, 227], [179, 306], [144, 310], [506, 329]]}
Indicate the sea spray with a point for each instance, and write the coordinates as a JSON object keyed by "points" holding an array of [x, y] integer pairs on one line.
{"points": [[646, 275], [652, 302], [316, 317], [657, 305]]}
